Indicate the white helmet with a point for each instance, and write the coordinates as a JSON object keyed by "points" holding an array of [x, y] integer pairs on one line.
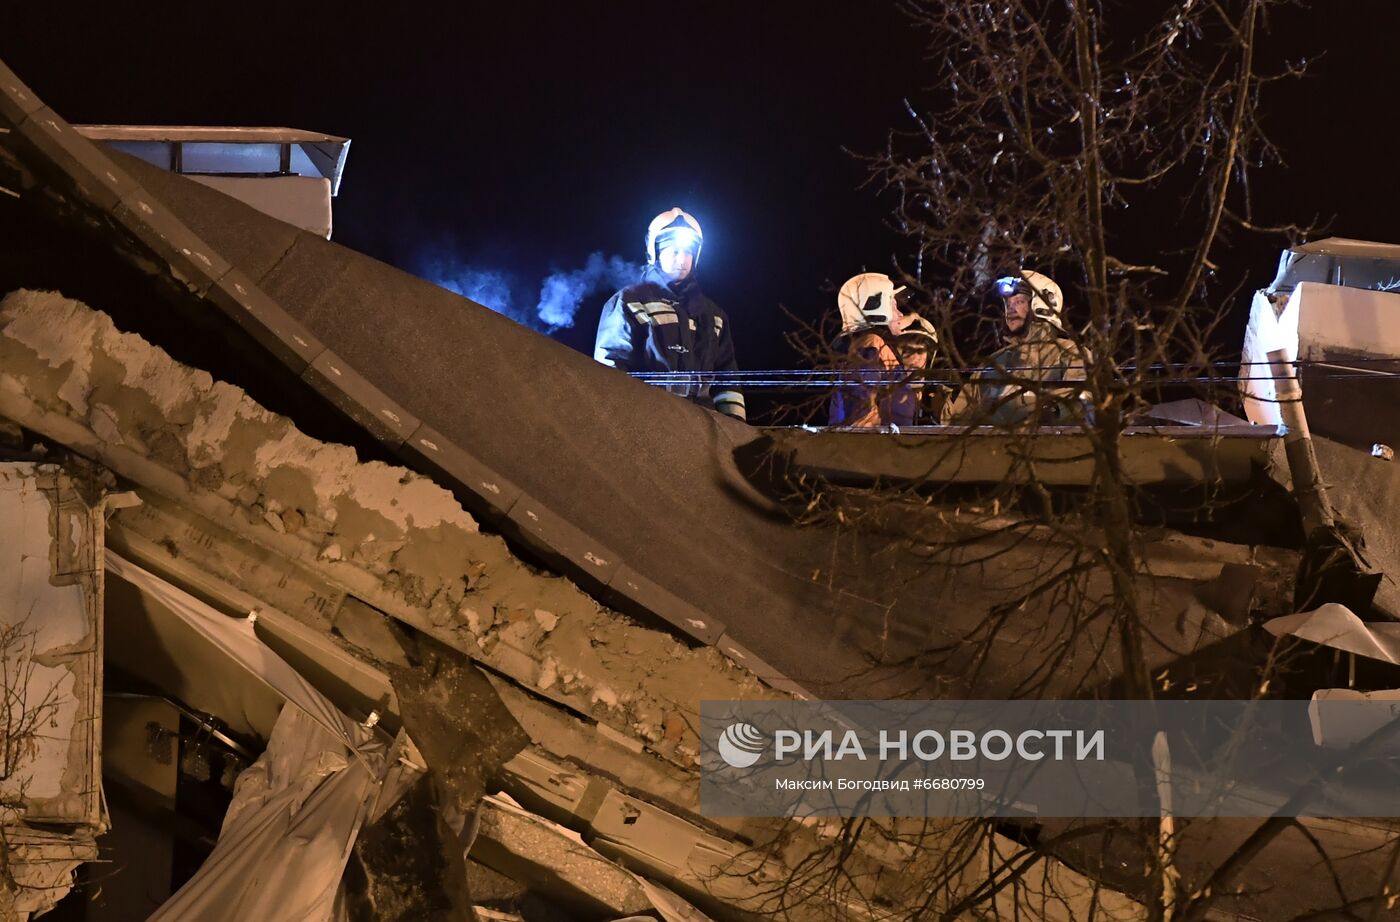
{"points": [[1047, 302], [868, 300], [914, 326], [674, 226]]}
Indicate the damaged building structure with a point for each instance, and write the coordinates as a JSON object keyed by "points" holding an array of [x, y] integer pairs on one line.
{"points": [[320, 606]]}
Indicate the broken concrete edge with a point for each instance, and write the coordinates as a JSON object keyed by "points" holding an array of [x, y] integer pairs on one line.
{"points": [[553, 860], [548, 723], [240, 601], [1151, 455], [388, 536], [1164, 554], [654, 780], [288, 637], [690, 623], [532, 777], [728, 870], [578, 871], [751, 879], [42, 863], [100, 392], [198, 267], [177, 541], [572, 756], [610, 864], [11, 393]]}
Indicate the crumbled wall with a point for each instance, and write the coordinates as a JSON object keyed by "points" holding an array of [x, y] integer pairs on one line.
{"points": [[51, 666], [50, 625], [387, 534]]}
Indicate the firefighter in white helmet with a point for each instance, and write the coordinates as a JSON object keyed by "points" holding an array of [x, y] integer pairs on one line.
{"points": [[882, 347], [1036, 350], [664, 323]]}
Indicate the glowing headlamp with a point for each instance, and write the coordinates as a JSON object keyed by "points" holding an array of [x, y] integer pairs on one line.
{"points": [[1009, 285], [682, 238]]}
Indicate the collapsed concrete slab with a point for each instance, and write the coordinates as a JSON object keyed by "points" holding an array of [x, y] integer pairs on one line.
{"points": [[613, 700], [550, 858], [391, 538], [186, 441]]}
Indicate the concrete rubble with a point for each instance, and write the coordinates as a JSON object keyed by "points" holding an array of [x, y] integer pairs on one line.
{"points": [[345, 562], [537, 852], [238, 505], [385, 535], [558, 734], [352, 567]]}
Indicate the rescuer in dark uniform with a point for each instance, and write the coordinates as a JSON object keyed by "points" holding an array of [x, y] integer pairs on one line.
{"points": [[665, 323]]}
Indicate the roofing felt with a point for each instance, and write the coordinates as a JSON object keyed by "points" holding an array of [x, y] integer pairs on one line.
{"points": [[649, 478]]}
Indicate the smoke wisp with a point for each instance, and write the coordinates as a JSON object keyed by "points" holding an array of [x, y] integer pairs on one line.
{"points": [[560, 294]]}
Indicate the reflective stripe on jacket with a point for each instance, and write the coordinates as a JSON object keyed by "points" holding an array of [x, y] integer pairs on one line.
{"points": [[653, 326]]}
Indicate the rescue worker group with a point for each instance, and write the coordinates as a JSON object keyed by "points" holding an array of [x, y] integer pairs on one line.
{"points": [[664, 323]]}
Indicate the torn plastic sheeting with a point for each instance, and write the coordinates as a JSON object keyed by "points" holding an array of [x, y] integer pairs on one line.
{"points": [[149, 641], [1335, 626], [296, 811], [406, 766], [288, 833], [235, 639]]}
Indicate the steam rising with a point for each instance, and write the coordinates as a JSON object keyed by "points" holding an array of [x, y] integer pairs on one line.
{"points": [[560, 294]]}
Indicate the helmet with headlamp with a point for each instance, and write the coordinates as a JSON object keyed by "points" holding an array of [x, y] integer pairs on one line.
{"points": [[674, 228], [1047, 302]]}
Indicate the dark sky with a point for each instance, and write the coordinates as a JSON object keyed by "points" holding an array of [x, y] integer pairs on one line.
{"points": [[523, 136]]}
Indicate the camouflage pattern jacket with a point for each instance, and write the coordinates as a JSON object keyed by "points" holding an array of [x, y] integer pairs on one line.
{"points": [[1012, 390]]}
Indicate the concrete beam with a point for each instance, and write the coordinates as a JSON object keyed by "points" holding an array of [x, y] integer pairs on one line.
{"points": [[383, 534]]}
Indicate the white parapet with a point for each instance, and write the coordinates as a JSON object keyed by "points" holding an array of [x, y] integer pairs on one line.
{"points": [[1317, 323]]}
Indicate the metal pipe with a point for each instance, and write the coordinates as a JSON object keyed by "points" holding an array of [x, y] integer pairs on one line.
{"points": [[1297, 442]]}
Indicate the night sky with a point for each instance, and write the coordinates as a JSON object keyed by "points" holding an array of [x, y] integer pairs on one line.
{"points": [[521, 137]]}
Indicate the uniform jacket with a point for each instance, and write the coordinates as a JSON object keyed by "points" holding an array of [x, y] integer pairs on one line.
{"points": [[864, 402], [653, 326], [1002, 395]]}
